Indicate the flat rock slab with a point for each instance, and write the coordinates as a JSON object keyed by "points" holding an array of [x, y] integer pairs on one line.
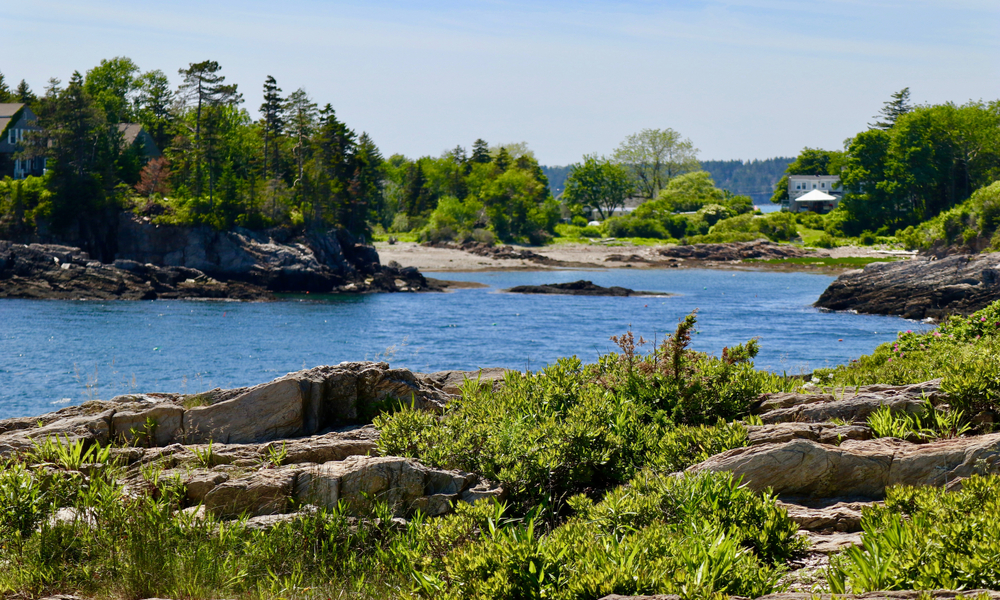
{"points": [[856, 468], [451, 382], [824, 433], [579, 288], [852, 405], [831, 543], [919, 288]]}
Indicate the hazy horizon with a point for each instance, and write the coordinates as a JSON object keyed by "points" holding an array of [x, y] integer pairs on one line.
{"points": [[744, 79]]}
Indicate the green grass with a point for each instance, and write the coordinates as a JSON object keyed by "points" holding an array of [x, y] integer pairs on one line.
{"points": [[848, 261], [409, 236], [557, 240]]}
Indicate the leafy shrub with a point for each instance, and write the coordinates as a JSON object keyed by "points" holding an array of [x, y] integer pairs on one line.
{"points": [[632, 227], [591, 232], [930, 423], [579, 221], [926, 538], [866, 238], [695, 535], [810, 219], [825, 241], [571, 428]]}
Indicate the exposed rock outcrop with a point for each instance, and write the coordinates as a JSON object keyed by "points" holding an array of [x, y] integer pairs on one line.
{"points": [[166, 262], [920, 288], [734, 251], [298, 404], [579, 288], [856, 468], [848, 404], [41, 271]]}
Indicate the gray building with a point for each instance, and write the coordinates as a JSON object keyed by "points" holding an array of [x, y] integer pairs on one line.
{"points": [[818, 193], [16, 122]]}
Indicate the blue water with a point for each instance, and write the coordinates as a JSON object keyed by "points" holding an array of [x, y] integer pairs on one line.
{"points": [[54, 353]]}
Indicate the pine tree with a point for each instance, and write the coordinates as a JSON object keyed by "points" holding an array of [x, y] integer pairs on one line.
{"points": [[205, 90], [893, 109], [502, 161], [272, 121], [153, 102], [481, 152], [24, 94], [300, 113], [5, 94]]}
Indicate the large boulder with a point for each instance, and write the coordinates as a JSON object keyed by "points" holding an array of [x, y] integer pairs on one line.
{"points": [[402, 483], [856, 468], [299, 404], [849, 404], [920, 288]]}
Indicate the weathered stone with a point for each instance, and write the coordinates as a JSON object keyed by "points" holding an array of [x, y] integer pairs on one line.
{"points": [[831, 543], [851, 405], [132, 424], [759, 249], [401, 483], [920, 288], [198, 484], [304, 402], [265, 492], [825, 433], [451, 382], [828, 515], [856, 468]]}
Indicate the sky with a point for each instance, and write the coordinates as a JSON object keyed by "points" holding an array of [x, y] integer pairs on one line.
{"points": [[742, 79]]}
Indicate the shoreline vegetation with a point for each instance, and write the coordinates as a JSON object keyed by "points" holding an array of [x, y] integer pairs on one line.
{"points": [[650, 471]]}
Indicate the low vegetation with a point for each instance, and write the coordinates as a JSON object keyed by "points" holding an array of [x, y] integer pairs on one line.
{"points": [[588, 456]]}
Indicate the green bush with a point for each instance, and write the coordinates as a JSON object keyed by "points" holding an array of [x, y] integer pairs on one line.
{"points": [[695, 536], [926, 538], [571, 428], [626, 227]]}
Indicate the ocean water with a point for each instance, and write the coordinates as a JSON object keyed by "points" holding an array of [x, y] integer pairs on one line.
{"points": [[54, 353]]}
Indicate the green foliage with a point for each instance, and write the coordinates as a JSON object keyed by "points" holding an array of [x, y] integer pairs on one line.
{"points": [[928, 424], [776, 226], [929, 160], [696, 536], [569, 428], [598, 184], [67, 454], [972, 221], [964, 351], [811, 161], [926, 538]]}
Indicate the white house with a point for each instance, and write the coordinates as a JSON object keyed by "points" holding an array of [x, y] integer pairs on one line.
{"points": [[818, 193]]}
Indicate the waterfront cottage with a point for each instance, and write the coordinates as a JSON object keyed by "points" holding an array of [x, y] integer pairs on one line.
{"points": [[16, 121], [818, 193]]}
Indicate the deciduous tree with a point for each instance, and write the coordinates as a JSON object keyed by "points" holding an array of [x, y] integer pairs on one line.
{"points": [[598, 184], [654, 156]]}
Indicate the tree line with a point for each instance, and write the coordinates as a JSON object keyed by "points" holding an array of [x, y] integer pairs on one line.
{"points": [[913, 163]]}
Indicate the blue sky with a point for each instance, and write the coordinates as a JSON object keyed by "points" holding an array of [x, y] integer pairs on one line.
{"points": [[742, 79]]}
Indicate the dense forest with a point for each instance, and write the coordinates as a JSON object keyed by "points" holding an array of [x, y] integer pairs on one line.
{"points": [[294, 165]]}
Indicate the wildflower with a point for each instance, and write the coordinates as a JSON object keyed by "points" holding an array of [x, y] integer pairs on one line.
{"points": [[982, 319]]}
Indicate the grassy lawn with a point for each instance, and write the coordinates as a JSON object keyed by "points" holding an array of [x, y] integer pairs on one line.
{"points": [[411, 236]]}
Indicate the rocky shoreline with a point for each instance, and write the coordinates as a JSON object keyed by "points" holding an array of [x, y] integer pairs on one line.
{"points": [[166, 262], [220, 446], [922, 288]]}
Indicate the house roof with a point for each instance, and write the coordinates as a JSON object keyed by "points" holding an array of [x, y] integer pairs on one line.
{"points": [[130, 131], [814, 177], [9, 109], [815, 196]]}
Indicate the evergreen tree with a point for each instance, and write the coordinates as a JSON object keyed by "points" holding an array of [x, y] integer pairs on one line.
{"points": [[5, 93], [893, 109], [333, 164], [502, 161], [271, 122], [204, 90], [153, 101], [301, 113], [416, 198], [366, 186], [481, 152], [24, 94]]}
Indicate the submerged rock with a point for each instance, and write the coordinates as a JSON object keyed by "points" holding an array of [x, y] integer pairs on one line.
{"points": [[579, 288], [919, 288]]}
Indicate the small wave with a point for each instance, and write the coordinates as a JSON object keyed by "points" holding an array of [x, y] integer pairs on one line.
{"points": [[61, 401]]}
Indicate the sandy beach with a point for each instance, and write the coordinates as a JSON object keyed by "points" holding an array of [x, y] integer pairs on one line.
{"points": [[582, 256]]}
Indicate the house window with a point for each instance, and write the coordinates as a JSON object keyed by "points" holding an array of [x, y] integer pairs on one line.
{"points": [[11, 136], [822, 185]]}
